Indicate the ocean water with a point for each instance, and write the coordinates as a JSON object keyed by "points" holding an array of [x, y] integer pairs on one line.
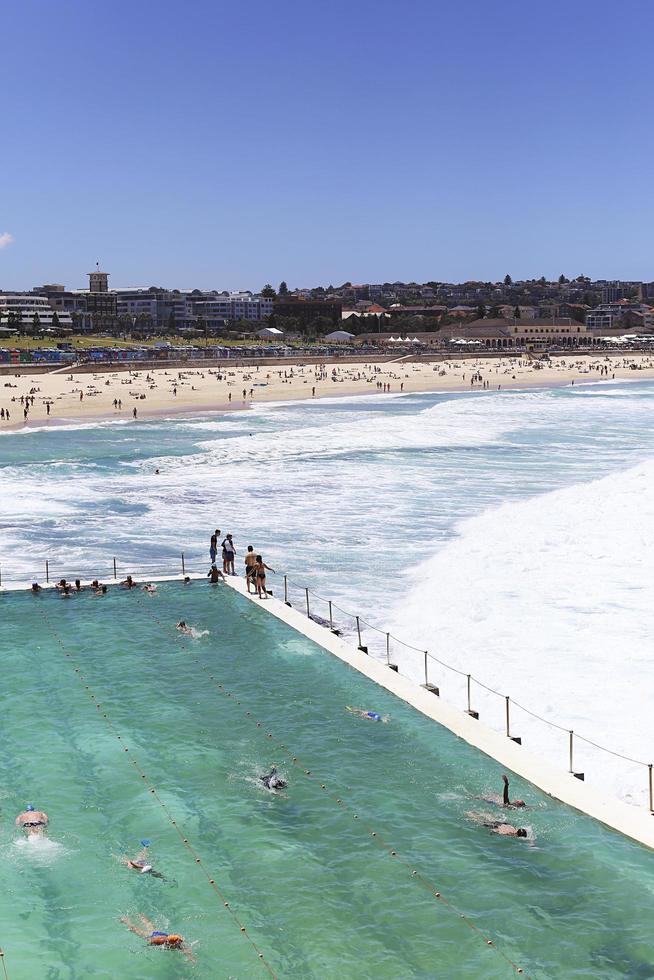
{"points": [[509, 533], [316, 892]]}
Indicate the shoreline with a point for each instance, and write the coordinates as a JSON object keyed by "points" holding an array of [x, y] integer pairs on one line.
{"points": [[189, 392]]}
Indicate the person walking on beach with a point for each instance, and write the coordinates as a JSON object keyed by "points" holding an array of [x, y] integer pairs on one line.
{"points": [[250, 562], [134, 412], [229, 552], [260, 569]]}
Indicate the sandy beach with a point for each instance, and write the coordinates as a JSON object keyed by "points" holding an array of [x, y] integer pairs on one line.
{"points": [[65, 396]]}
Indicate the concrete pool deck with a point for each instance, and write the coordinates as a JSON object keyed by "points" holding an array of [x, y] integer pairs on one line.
{"points": [[635, 823]]}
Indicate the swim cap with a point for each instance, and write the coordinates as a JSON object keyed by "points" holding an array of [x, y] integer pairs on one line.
{"points": [[29, 807], [145, 843]]}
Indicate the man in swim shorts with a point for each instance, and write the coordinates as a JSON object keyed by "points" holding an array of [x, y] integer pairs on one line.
{"points": [[32, 821], [155, 937], [250, 562]]}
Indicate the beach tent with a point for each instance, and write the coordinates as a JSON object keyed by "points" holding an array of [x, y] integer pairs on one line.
{"points": [[339, 335]]}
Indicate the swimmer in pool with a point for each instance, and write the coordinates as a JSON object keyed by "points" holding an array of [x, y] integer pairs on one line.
{"points": [[272, 781], [496, 826], [183, 628], [369, 715], [506, 801], [155, 937], [149, 587], [140, 863], [32, 821]]}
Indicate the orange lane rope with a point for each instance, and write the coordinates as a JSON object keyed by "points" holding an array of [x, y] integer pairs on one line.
{"points": [[373, 834], [154, 792]]}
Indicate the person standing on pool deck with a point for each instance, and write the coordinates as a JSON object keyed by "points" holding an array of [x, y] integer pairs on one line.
{"points": [[250, 562], [32, 821], [213, 548], [260, 576], [229, 552]]}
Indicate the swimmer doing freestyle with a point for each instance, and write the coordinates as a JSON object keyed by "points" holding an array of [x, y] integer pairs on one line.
{"points": [[155, 937], [368, 715]]}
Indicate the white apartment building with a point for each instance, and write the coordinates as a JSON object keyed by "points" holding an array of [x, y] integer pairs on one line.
{"points": [[25, 310]]}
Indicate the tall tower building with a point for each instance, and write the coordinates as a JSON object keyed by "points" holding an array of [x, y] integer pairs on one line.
{"points": [[98, 281]]}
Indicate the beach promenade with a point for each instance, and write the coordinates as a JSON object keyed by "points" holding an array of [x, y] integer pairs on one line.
{"points": [[64, 395]]}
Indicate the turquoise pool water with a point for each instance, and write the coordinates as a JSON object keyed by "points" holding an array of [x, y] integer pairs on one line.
{"points": [[317, 894]]}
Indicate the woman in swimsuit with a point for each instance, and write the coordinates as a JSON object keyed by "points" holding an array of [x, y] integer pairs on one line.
{"points": [[260, 568]]}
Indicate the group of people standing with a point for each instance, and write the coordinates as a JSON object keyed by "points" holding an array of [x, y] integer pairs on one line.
{"points": [[255, 566]]}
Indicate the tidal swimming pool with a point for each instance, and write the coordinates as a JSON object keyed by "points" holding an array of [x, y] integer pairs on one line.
{"points": [[318, 894]]}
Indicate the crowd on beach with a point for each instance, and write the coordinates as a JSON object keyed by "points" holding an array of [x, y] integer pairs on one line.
{"points": [[36, 398]]}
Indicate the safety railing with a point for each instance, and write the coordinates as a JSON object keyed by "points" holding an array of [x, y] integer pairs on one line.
{"points": [[464, 689], [432, 673]]}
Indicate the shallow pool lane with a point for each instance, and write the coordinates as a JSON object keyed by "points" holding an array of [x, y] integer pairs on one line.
{"points": [[317, 893]]}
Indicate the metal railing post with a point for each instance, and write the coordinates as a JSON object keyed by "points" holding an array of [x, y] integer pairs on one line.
{"points": [[115, 575], [651, 798], [47, 570], [473, 714], [361, 646], [388, 655], [183, 565], [306, 593], [286, 602], [577, 775], [427, 686], [331, 621], [514, 738]]}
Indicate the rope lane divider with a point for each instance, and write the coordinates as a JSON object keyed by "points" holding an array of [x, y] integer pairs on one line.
{"points": [[374, 835], [155, 793]]}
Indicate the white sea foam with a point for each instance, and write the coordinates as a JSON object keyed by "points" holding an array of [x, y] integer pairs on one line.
{"points": [[551, 601], [545, 599]]}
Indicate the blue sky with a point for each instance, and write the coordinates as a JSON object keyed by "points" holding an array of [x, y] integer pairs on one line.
{"points": [[225, 145]]}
